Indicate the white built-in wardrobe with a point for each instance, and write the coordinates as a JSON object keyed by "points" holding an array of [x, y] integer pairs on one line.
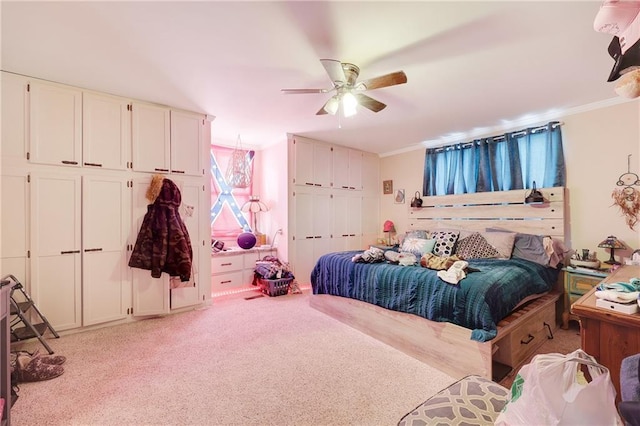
{"points": [[334, 201], [76, 165]]}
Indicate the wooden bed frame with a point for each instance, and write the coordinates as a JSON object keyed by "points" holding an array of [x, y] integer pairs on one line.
{"points": [[447, 346]]}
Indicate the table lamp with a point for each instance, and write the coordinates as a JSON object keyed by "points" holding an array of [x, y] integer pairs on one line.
{"points": [[611, 243], [388, 227], [255, 206]]}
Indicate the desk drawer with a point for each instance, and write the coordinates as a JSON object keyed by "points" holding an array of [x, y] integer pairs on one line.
{"points": [[224, 264]]}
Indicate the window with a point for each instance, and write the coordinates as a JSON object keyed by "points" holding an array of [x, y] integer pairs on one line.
{"points": [[226, 218], [499, 163]]}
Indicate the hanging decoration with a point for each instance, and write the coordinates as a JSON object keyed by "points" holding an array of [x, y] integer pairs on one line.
{"points": [[627, 197], [239, 169]]}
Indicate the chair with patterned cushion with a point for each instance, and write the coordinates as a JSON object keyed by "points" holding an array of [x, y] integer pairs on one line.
{"points": [[472, 400], [629, 406]]}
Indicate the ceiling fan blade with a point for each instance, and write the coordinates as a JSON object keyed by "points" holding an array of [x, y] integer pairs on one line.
{"points": [[369, 102], [398, 77], [303, 91], [322, 111], [335, 71]]}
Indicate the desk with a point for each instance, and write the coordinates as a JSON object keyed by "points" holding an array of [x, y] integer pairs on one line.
{"points": [[607, 335]]}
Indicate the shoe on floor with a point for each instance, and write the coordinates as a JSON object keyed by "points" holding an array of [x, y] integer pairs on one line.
{"points": [[34, 369]]}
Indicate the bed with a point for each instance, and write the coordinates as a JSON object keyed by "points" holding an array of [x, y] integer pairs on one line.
{"points": [[489, 323]]}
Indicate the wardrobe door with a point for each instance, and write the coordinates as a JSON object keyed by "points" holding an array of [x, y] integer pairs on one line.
{"points": [[150, 295], [106, 131], [106, 286], [55, 247], [15, 225], [55, 124], [188, 293]]}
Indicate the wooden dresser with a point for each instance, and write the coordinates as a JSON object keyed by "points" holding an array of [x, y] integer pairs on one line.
{"points": [[607, 335]]}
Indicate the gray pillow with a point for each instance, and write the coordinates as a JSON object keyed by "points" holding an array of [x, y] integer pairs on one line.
{"points": [[528, 247]]}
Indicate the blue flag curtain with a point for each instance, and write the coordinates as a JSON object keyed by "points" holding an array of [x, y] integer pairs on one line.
{"points": [[497, 163]]}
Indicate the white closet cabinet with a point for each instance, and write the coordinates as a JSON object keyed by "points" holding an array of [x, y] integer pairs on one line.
{"points": [[347, 215], [106, 286], [312, 230], [55, 247], [14, 119], [106, 131], [15, 225], [55, 124], [347, 168], [151, 138], [186, 143], [150, 295], [342, 216], [312, 163], [190, 212]]}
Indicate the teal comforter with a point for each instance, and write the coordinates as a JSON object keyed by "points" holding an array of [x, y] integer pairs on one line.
{"points": [[477, 302]]}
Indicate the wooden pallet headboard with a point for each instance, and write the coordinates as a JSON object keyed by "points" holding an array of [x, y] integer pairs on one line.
{"points": [[505, 209]]}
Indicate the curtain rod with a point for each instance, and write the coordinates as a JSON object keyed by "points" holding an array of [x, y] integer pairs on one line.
{"points": [[499, 138]]}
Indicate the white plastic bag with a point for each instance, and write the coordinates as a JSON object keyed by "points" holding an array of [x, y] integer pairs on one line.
{"points": [[551, 390]]}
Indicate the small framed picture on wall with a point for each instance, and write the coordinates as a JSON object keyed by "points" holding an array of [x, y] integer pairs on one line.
{"points": [[387, 187], [399, 199]]}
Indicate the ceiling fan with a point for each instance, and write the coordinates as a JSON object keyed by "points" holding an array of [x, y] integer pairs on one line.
{"points": [[349, 92]]}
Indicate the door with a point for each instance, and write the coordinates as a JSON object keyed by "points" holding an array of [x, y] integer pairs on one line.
{"points": [[188, 294], [55, 124], [186, 143], [15, 226], [106, 212], [150, 295], [150, 138], [55, 245], [106, 131]]}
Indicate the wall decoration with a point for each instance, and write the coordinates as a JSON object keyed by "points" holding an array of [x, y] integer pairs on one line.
{"points": [[387, 187], [627, 198], [399, 196]]}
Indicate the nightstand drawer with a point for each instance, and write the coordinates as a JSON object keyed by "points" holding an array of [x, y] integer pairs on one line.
{"points": [[580, 284]]}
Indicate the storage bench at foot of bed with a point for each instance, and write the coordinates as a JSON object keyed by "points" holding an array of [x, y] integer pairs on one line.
{"points": [[445, 346]]}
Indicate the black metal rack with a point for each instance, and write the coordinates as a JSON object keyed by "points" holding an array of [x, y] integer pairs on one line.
{"points": [[27, 322]]}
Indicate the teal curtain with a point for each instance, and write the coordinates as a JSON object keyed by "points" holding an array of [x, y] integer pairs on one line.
{"points": [[498, 163]]}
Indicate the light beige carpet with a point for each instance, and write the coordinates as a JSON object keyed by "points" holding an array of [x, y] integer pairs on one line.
{"points": [[267, 361]]}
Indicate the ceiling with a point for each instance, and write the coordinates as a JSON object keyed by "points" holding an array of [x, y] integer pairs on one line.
{"points": [[473, 68]]}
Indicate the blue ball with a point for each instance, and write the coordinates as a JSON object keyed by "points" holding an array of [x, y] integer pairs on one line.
{"points": [[246, 240]]}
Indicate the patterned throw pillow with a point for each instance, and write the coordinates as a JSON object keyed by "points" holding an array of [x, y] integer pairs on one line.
{"points": [[445, 242], [475, 246], [417, 246]]}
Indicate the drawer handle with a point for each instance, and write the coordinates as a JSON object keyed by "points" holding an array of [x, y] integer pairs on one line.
{"points": [[225, 282], [529, 340], [226, 264], [550, 336]]}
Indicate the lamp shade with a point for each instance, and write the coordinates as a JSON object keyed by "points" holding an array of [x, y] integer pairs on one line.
{"points": [[388, 226], [611, 242], [254, 205]]}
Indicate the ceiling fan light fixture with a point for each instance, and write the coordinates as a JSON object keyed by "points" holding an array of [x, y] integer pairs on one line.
{"points": [[331, 107], [349, 104]]}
